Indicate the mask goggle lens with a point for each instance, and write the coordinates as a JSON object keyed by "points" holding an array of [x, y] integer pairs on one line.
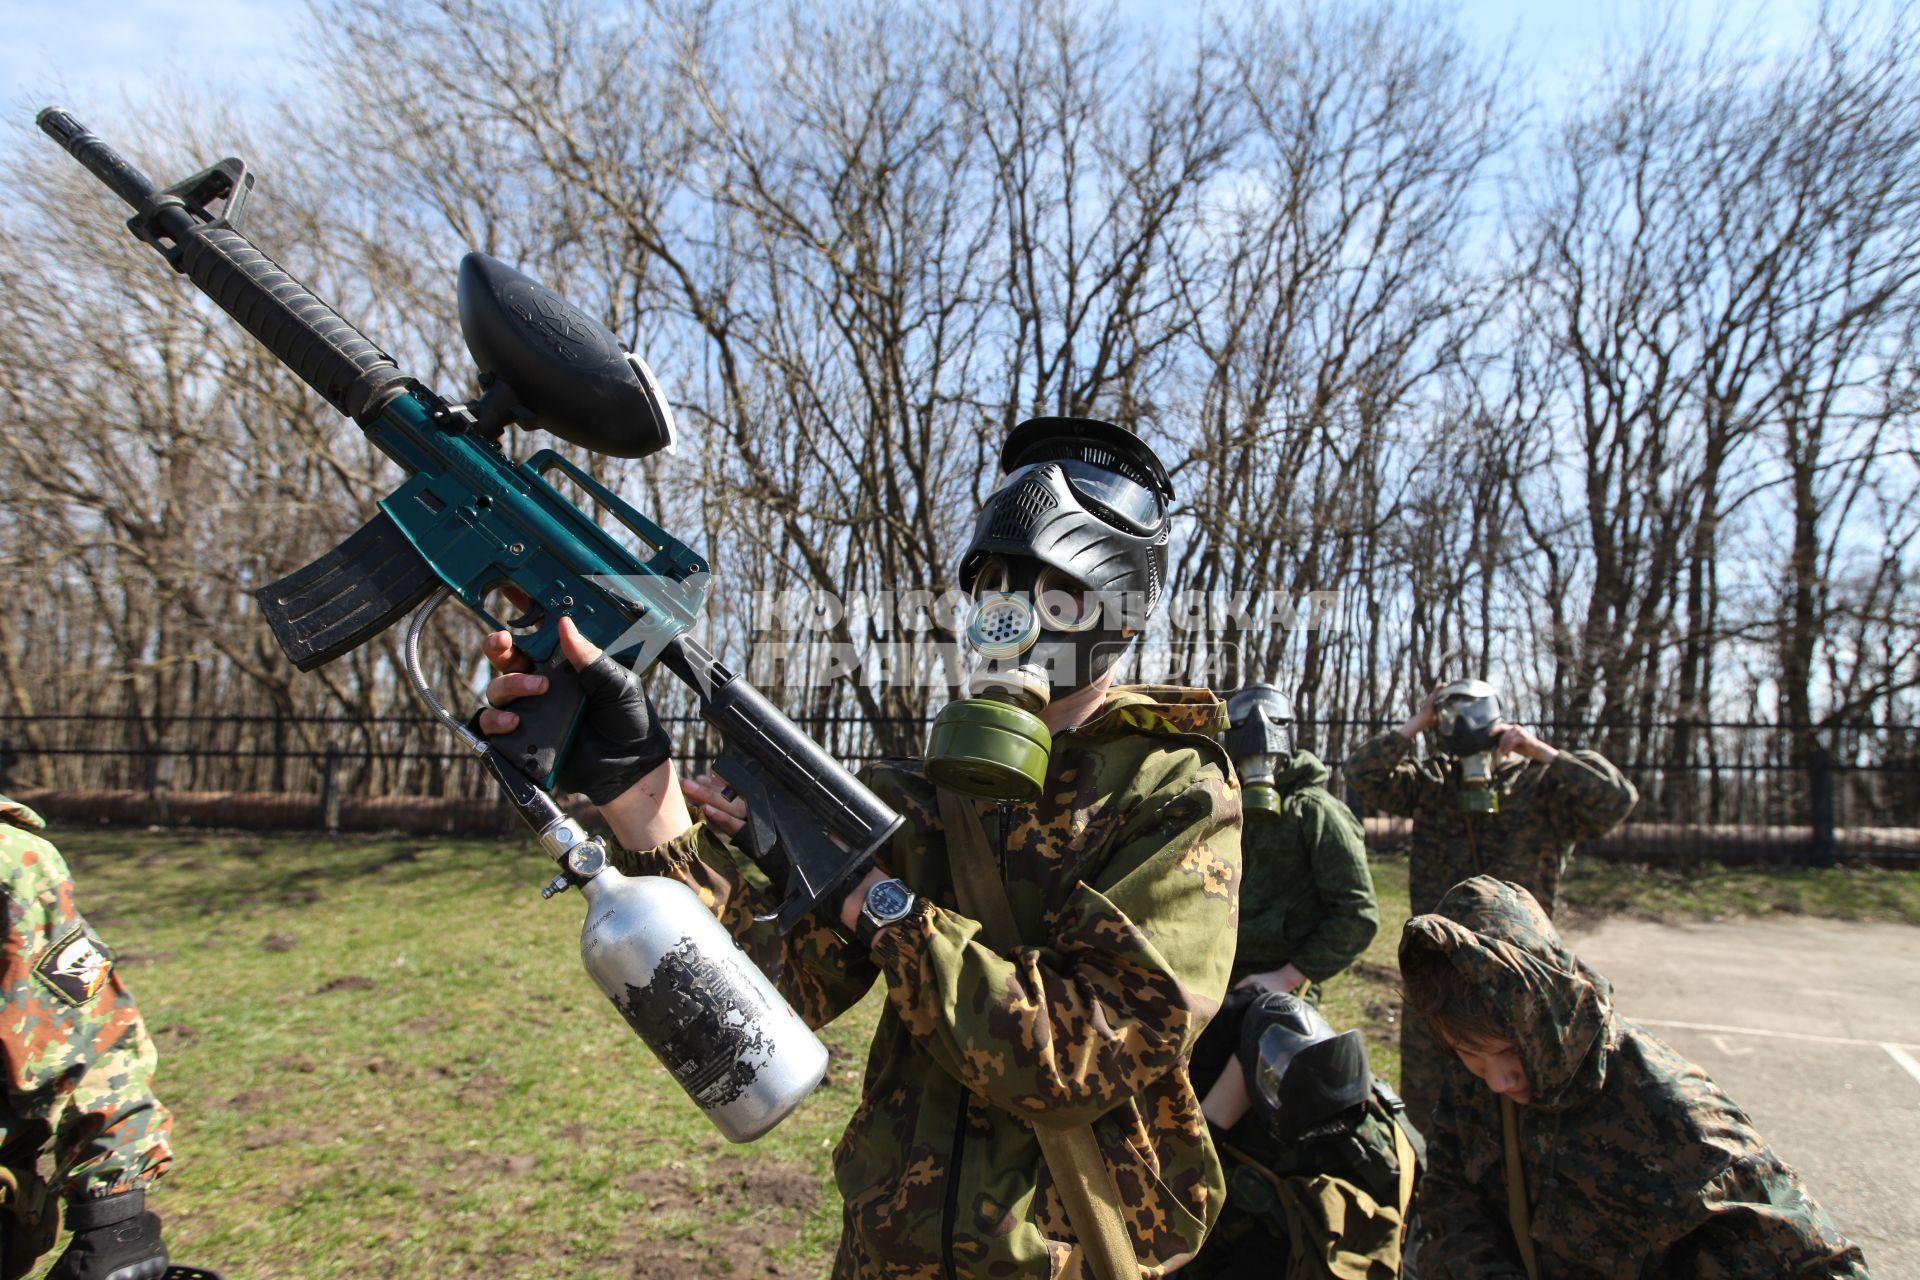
{"points": [[1064, 604], [1247, 701], [1132, 506]]}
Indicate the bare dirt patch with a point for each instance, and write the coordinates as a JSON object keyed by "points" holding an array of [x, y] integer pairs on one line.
{"points": [[748, 1207]]}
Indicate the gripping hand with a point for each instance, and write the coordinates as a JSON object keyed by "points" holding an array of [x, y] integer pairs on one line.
{"points": [[620, 739]]}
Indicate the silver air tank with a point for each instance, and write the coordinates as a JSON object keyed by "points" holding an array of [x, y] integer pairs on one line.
{"points": [[675, 974]]}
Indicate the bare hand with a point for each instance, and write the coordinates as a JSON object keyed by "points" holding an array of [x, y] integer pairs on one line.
{"points": [[1514, 740], [516, 680], [710, 794], [1285, 978], [1426, 717], [851, 904]]}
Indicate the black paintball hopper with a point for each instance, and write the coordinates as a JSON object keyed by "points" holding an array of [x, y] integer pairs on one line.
{"points": [[565, 368]]}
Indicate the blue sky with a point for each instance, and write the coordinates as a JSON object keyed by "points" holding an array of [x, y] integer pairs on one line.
{"points": [[92, 54], [87, 54]]}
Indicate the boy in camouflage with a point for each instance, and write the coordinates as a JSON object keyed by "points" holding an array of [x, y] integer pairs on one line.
{"points": [[1543, 800], [1307, 906], [1321, 1164], [78, 1066], [1631, 1161], [1122, 876]]}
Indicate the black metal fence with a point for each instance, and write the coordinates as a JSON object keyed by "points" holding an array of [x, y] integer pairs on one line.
{"points": [[1729, 791]]}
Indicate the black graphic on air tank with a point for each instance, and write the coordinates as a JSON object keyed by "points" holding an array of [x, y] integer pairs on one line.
{"points": [[703, 1020]]}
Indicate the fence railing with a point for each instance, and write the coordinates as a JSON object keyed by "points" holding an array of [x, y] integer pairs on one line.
{"points": [[1733, 791]]}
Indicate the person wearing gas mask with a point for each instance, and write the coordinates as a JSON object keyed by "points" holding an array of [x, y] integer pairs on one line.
{"points": [[1321, 1161], [1307, 908], [1492, 800], [78, 1069], [1053, 922]]}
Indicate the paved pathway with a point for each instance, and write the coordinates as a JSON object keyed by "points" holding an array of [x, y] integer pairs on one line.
{"points": [[1813, 1026]]}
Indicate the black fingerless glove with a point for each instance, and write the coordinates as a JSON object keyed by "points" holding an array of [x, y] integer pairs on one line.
{"points": [[114, 1238], [621, 739]]}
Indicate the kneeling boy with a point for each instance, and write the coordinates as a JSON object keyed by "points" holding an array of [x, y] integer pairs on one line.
{"points": [[1594, 1149]]}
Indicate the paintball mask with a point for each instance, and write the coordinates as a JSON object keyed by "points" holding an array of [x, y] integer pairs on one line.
{"points": [[1469, 712], [1303, 1073], [1259, 739], [1066, 561]]}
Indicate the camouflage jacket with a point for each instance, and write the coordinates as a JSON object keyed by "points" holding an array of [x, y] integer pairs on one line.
{"points": [[1326, 1206], [78, 1060], [1306, 896], [1544, 810], [1636, 1163], [1128, 867]]}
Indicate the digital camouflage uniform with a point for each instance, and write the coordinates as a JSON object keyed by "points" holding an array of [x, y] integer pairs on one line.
{"points": [[1544, 810], [78, 1060], [1129, 864], [1306, 896], [1636, 1164]]}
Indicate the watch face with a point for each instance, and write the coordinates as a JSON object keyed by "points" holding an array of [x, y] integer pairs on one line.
{"points": [[888, 900]]}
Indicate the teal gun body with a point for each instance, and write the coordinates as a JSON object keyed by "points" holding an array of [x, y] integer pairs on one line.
{"points": [[476, 521], [473, 520]]}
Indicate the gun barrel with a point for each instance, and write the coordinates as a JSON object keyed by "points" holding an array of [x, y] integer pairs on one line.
{"points": [[101, 160], [294, 323]]}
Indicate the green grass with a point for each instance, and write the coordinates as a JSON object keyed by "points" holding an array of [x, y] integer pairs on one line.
{"points": [[1711, 891], [384, 1059]]}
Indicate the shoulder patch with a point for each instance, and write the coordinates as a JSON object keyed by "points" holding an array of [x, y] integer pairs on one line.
{"points": [[76, 967]]}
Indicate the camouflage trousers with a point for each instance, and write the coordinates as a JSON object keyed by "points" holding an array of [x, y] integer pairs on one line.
{"points": [[1423, 1063], [29, 1220]]}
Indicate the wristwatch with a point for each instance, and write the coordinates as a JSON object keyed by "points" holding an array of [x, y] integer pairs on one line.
{"points": [[887, 903]]}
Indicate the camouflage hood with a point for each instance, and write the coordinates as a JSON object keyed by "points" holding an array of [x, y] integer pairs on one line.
{"points": [[1303, 770], [1159, 708], [1559, 1011]]}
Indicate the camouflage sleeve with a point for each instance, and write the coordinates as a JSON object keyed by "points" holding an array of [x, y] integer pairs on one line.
{"points": [[75, 1054], [1760, 1221], [1586, 796], [698, 859], [1337, 852], [1461, 1233], [1387, 776], [1137, 963], [816, 969]]}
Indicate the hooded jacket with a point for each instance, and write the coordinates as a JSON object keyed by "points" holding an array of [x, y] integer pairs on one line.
{"points": [[77, 1060], [1636, 1164], [1128, 865], [1306, 896]]}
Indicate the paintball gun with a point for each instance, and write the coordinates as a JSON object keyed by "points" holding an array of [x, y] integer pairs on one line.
{"points": [[469, 521]]}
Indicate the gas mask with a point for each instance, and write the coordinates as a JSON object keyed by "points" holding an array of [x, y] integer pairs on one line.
{"points": [[1302, 1072], [1260, 739], [1469, 711], [1067, 559]]}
